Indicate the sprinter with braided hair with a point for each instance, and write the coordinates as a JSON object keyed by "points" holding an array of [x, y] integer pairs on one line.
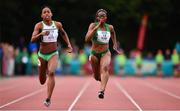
{"points": [[99, 33]]}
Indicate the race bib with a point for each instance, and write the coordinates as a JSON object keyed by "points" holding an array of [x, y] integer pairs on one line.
{"points": [[103, 36], [52, 37]]}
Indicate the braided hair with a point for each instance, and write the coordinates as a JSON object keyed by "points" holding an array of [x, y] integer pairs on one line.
{"points": [[100, 10]]}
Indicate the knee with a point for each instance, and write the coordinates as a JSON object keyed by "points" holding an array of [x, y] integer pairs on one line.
{"points": [[50, 73], [104, 70]]}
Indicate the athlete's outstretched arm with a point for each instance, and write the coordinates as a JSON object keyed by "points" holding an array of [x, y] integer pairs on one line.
{"points": [[36, 34], [64, 36], [91, 30]]}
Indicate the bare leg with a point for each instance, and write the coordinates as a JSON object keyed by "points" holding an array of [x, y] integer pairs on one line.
{"points": [[95, 67], [50, 85], [104, 70], [42, 66], [52, 65], [50, 88]]}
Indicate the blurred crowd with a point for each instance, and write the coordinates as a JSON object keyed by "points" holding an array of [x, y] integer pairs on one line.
{"points": [[23, 61]]}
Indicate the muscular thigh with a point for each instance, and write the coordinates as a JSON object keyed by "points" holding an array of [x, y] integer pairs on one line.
{"points": [[105, 60], [52, 63], [42, 65], [94, 63]]}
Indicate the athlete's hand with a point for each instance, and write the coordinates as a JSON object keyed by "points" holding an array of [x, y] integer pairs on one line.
{"points": [[115, 46], [99, 23], [116, 49], [69, 49], [45, 33], [118, 52]]}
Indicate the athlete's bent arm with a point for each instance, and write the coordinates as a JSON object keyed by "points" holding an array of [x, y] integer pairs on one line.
{"points": [[92, 29], [113, 37], [36, 34], [64, 36]]}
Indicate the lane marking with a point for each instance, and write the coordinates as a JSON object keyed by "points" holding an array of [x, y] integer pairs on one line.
{"points": [[161, 90], [97, 110], [21, 98], [126, 110], [79, 95], [26, 96], [167, 81], [127, 95]]}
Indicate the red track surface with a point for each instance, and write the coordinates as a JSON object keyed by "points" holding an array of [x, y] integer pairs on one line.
{"points": [[80, 93]]}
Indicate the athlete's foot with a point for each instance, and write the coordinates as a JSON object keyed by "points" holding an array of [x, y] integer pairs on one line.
{"points": [[47, 102], [101, 94]]}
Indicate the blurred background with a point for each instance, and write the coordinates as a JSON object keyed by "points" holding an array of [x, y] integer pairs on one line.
{"points": [[148, 32]]}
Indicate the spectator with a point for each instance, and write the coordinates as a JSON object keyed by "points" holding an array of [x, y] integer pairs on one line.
{"points": [[138, 62], [4, 59], [34, 59], [10, 61], [178, 47], [66, 59], [18, 62], [120, 61], [82, 57], [159, 58], [175, 61], [87, 49], [25, 60]]}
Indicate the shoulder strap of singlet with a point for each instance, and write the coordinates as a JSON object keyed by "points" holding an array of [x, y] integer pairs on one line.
{"points": [[53, 23], [41, 38], [107, 27], [43, 24], [96, 23]]}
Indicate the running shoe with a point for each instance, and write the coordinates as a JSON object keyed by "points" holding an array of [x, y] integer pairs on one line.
{"points": [[47, 102], [101, 94]]}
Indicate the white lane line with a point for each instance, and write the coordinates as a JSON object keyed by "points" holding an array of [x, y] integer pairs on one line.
{"points": [[161, 90], [33, 110], [125, 110], [21, 98], [79, 95], [97, 110], [127, 95]]}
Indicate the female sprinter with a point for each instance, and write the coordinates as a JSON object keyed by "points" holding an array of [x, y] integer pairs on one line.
{"points": [[47, 32], [100, 33]]}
